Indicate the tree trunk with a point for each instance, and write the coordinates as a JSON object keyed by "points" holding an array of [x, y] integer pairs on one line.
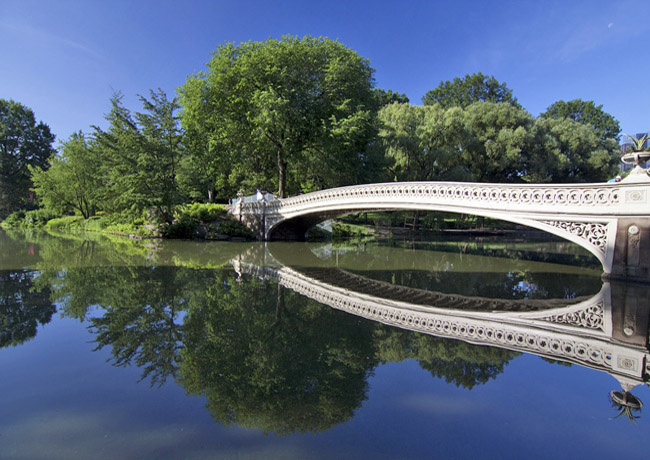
{"points": [[282, 175], [416, 220]]}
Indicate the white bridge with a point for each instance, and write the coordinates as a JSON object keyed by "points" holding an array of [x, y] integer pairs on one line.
{"points": [[611, 220], [607, 332]]}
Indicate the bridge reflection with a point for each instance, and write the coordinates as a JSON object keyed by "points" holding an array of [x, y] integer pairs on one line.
{"points": [[607, 332]]}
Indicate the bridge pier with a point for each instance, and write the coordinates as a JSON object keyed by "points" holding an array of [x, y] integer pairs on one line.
{"points": [[631, 259], [255, 221]]}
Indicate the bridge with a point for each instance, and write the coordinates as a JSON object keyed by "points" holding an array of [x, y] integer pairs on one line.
{"points": [[607, 332], [610, 220]]}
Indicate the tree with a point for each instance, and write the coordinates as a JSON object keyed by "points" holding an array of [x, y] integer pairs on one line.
{"points": [[421, 142], [568, 151], [140, 156], [472, 88], [72, 181], [302, 107], [586, 113], [498, 143], [23, 142], [388, 96]]}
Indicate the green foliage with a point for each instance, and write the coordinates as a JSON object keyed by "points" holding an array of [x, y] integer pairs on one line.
{"points": [[14, 220], [23, 307], [586, 113], [204, 212], [140, 155], [491, 142], [36, 218], [292, 114], [73, 180], [66, 222], [422, 142], [182, 227], [23, 143], [234, 229], [472, 88], [638, 145], [341, 230], [386, 97], [499, 142], [568, 151]]}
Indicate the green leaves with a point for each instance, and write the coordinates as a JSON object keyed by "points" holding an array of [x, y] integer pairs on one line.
{"points": [[586, 113], [23, 143], [638, 145], [276, 113], [471, 88], [140, 156], [73, 181]]}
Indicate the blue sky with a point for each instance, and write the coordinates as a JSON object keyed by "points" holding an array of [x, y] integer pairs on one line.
{"points": [[64, 58]]}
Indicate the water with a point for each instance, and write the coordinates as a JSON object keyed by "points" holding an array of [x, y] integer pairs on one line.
{"points": [[111, 348]]}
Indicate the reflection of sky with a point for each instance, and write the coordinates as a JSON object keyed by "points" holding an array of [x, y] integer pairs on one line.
{"points": [[524, 287], [59, 398]]}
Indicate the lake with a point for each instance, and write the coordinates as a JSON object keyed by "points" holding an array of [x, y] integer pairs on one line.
{"points": [[464, 347]]}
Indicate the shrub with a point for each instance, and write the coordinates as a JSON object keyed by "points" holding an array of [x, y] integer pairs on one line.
{"points": [[204, 212], [29, 219], [236, 229], [64, 222], [15, 219], [183, 227]]}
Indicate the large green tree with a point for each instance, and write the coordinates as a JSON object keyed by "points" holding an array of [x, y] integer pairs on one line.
{"points": [[422, 142], [73, 180], [586, 113], [498, 142], [23, 142], [140, 156], [294, 113], [461, 92], [569, 151]]}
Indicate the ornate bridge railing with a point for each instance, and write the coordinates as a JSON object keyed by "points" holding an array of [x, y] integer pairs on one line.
{"points": [[612, 221]]}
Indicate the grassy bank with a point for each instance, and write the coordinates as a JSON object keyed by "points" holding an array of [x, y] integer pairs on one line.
{"points": [[194, 221]]}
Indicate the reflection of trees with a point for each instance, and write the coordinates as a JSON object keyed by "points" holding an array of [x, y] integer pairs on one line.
{"points": [[262, 355], [455, 361], [515, 285], [266, 357], [141, 317], [22, 307]]}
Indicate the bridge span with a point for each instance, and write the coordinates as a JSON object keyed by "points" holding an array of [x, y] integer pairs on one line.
{"points": [[610, 220]]}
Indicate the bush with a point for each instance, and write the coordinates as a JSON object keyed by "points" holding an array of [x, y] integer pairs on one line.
{"points": [[29, 219], [65, 222], [204, 212], [14, 220], [340, 230], [236, 229], [181, 228]]}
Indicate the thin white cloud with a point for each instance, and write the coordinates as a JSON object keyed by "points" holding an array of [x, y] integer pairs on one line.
{"points": [[26, 33]]}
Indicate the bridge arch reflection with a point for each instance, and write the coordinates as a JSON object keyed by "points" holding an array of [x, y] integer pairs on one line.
{"points": [[607, 332]]}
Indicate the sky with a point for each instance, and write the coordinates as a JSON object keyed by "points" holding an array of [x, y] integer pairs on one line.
{"points": [[65, 58]]}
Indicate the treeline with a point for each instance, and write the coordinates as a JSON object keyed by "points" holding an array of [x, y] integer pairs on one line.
{"points": [[292, 116]]}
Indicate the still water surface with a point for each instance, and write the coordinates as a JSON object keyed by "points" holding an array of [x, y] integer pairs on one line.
{"points": [[111, 348]]}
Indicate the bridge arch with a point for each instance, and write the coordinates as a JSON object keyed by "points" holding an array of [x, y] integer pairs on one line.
{"points": [[296, 228], [611, 221]]}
